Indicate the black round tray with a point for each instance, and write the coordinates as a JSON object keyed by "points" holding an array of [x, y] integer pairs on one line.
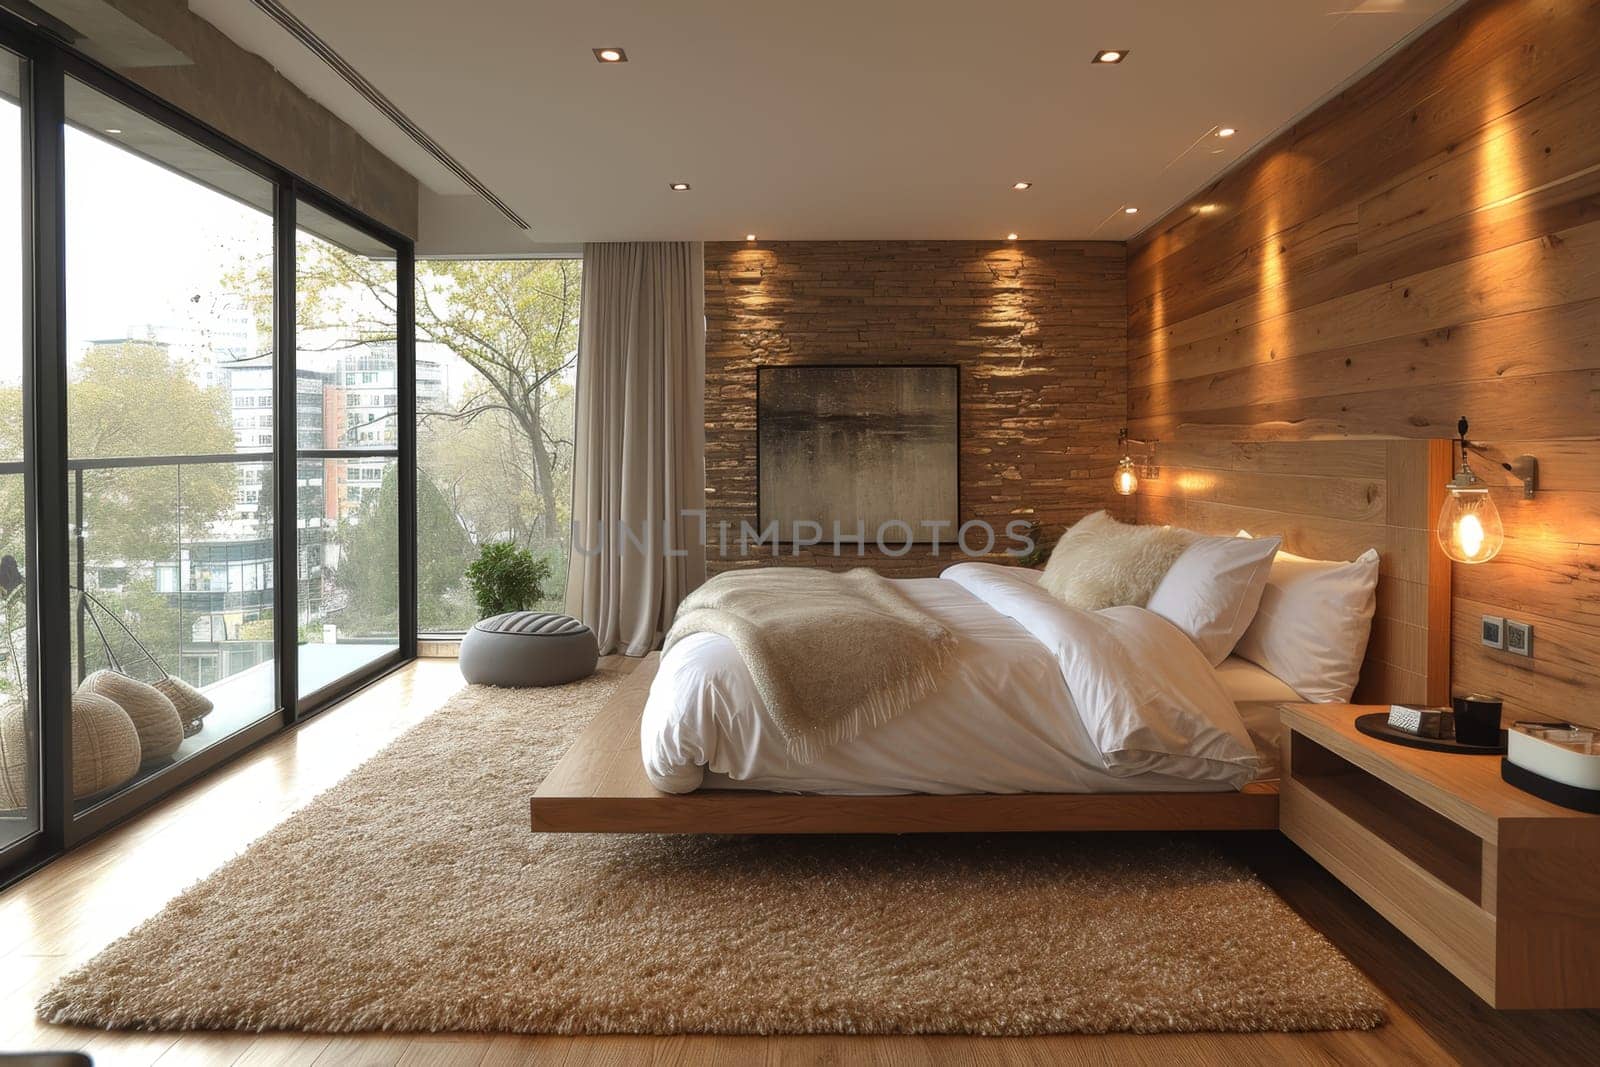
{"points": [[1568, 796], [1376, 724]]}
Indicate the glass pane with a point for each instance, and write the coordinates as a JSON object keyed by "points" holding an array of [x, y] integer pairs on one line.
{"points": [[347, 329], [171, 591], [168, 304], [169, 395], [13, 290], [19, 726], [347, 381], [490, 469], [349, 523]]}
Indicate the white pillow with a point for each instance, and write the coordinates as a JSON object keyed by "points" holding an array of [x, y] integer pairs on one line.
{"points": [[1103, 563], [1312, 627], [1211, 592]]}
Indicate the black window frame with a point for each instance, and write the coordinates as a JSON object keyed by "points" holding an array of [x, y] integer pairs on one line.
{"points": [[48, 63]]}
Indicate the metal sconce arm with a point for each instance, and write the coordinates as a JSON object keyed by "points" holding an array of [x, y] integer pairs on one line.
{"points": [[1524, 468], [1148, 467]]}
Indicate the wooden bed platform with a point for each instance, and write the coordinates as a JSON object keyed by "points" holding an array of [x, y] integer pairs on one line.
{"points": [[1327, 499], [599, 786]]}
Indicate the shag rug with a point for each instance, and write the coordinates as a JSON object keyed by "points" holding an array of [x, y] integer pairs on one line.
{"points": [[413, 896]]}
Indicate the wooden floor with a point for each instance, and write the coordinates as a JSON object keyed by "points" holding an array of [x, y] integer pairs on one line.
{"points": [[62, 915]]}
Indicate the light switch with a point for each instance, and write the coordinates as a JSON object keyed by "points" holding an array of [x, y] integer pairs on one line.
{"points": [[1519, 637], [1494, 631]]}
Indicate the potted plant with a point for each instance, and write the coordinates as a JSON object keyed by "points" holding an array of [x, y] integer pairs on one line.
{"points": [[506, 578]]}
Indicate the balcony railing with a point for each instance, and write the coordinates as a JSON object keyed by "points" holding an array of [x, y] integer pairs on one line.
{"points": [[203, 635]]}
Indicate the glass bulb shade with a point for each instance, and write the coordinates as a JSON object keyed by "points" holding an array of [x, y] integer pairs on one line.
{"points": [[1126, 480], [1469, 527]]}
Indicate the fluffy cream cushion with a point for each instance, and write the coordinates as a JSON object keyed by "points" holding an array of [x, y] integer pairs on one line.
{"points": [[1102, 563], [159, 726]]}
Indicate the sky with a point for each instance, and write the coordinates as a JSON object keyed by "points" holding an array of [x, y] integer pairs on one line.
{"points": [[10, 240], [146, 247], [142, 242]]}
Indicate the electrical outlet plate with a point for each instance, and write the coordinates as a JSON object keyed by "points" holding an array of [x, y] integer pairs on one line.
{"points": [[1519, 637], [1494, 631]]}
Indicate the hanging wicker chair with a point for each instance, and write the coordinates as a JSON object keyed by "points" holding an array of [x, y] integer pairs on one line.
{"points": [[136, 661], [105, 744], [133, 659]]}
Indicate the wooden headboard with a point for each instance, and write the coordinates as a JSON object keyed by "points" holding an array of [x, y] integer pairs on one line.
{"points": [[1334, 500]]}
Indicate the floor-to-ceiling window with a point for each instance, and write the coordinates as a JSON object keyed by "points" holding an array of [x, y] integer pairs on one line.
{"points": [[497, 346], [19, 722], [347, 340], [169, 292], [206, 530]]}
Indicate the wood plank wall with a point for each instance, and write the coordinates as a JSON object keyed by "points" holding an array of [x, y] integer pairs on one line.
{"points": [[1333, 500], [1423, 246]]}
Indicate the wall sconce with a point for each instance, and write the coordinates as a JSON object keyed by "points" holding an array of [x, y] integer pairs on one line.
{"points": [[1126, 479], [1469, 527]]}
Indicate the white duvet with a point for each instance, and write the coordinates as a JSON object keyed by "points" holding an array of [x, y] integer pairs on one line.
{"points": [[1040, 698]]}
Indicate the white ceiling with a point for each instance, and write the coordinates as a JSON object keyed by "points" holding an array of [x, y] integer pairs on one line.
{"points": [[829, 119]]}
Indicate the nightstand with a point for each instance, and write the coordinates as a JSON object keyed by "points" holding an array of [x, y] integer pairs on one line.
{"points": [[1498, 886]]}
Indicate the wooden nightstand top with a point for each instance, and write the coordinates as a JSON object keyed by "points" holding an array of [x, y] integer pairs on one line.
{"points": [[1468, 790]]}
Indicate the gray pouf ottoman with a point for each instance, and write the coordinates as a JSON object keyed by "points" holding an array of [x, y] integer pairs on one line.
{"points": [[523, 648]]}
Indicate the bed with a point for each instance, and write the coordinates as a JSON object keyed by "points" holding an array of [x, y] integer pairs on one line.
{"points": [[1000, 768], [1003, 719]]}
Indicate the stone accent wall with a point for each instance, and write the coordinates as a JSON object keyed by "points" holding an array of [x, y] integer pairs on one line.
{"points": [[1039, 330]]}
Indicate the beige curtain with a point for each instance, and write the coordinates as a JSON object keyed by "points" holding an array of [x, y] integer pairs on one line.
{"points": [[638, 494]]}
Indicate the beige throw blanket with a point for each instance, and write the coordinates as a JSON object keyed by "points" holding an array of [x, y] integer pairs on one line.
{"points": [[831, 654]]}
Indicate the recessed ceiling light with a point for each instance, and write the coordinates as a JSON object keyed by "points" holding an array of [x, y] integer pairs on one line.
{"points": [[1110, 55], [1019, 186], [113, 130], [611, 55], [679, 187], [1130, 211], [749, 237], [1226, 131], [1011, 237]]}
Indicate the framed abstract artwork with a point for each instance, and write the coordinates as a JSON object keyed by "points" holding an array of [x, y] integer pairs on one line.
{"points": [[856, 449]]}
